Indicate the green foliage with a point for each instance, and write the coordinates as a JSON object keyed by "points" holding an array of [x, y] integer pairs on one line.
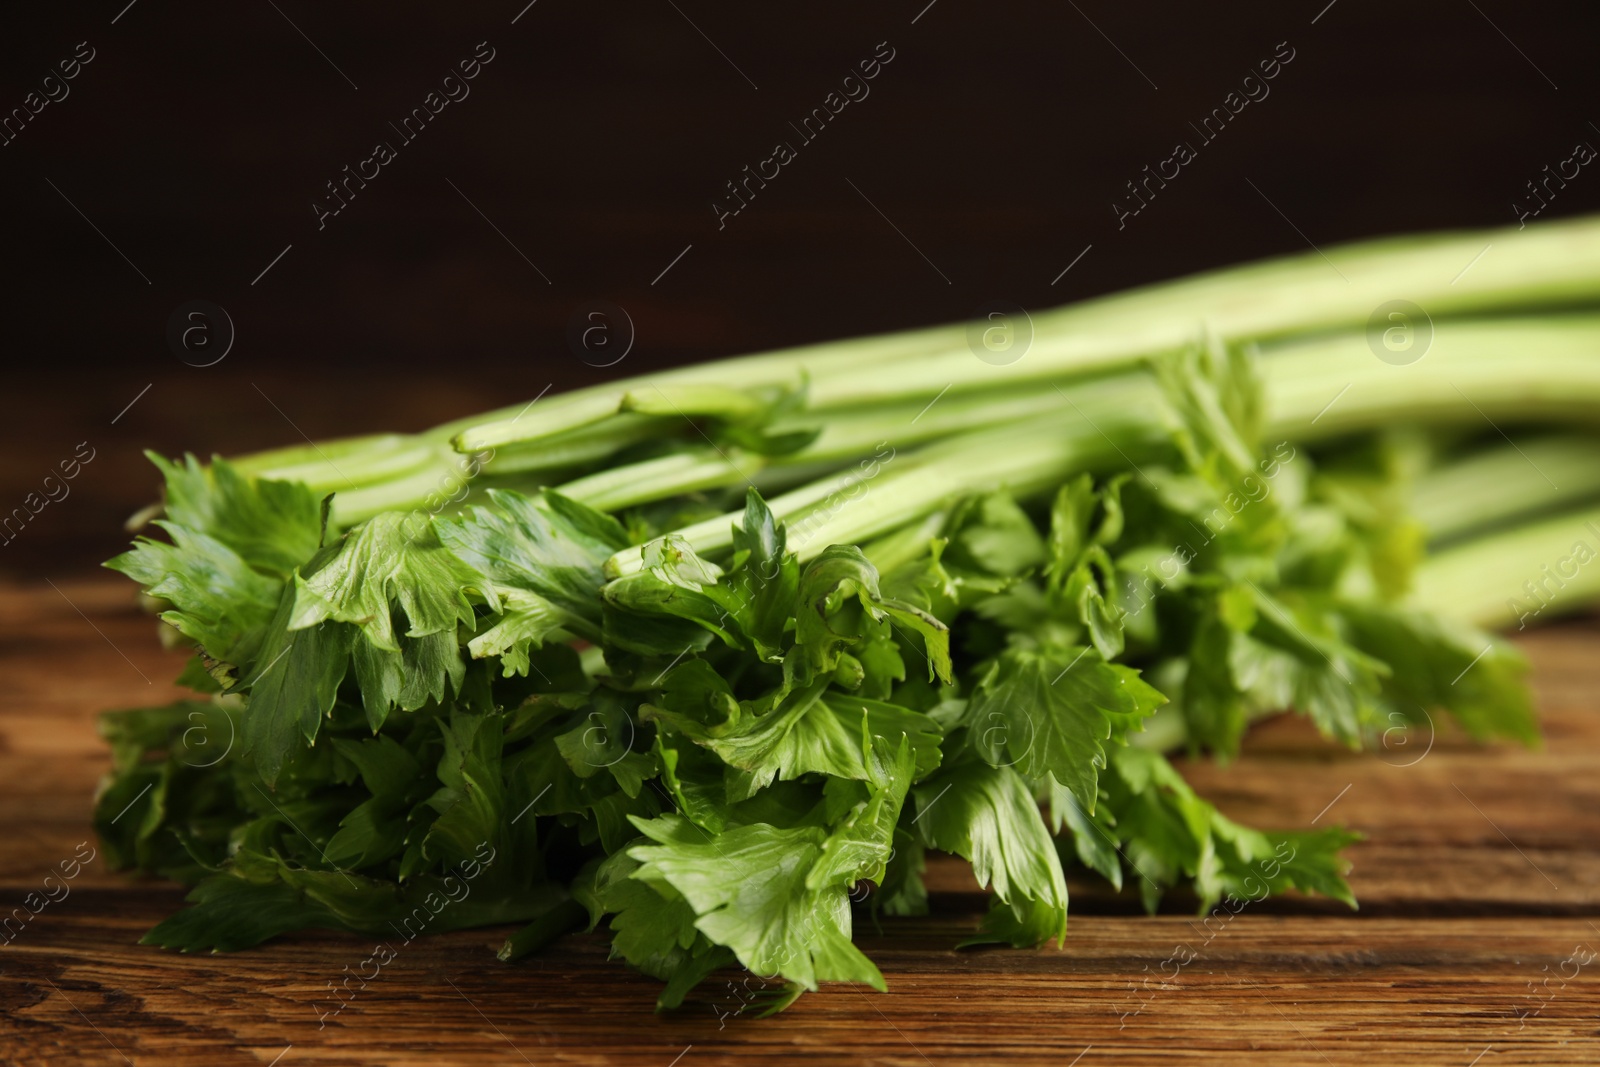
{"points": [[1164, 833], [234, 542], [989, 816], [438, 721], [1052, 713]]}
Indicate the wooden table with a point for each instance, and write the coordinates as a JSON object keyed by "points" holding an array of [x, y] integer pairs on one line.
{"points": [[1477, 883]]}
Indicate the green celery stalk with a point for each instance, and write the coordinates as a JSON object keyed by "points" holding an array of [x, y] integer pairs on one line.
{"points": [[1316, 389], [1477, 372], [1542, 265], [922, 385], [1506, 483], [882, 495], [1517, 576], [665, 476], [1312, 390]]}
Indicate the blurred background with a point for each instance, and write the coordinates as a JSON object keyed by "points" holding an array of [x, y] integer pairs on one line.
{"points": [[231, 157]]}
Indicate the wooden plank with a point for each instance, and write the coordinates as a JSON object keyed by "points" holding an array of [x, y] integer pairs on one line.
{"points": [[1265, 989], [1477, 882]]}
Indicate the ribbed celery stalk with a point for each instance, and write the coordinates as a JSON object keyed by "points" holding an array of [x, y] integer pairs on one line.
{"points": [[1130, 424], [1466, 379], [1518, 576], [1342, 287], [1478, 372], [1505, 483], [904, 389]]}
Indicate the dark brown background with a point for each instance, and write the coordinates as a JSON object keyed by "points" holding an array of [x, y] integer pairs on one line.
{"points": [[198, 138]]}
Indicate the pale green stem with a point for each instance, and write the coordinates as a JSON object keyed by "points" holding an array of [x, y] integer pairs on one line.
{"points": [[1543, 265], [1509, 481], [1343, 287], [1484, 373], [1465, 377], [578, 447], [1314, 388], [658, 479], [330, 466], [883, 494], [847, 436], [1516, 577], [719, 401]]}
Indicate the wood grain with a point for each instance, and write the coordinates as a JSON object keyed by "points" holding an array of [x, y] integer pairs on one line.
{"points": [[1478, 880]]}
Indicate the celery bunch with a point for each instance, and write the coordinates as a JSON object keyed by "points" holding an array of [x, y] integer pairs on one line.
{"points": [[713, 658]]}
